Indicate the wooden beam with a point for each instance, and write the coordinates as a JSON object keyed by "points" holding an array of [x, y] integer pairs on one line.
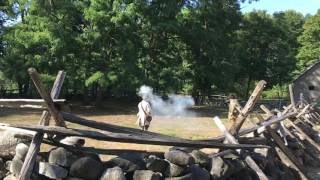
{"points": [[286, 130], [292, 97], [301, 121], [262, 125], [34, 148], [277, 139], [252, 140], [111, 127], [29, 101], [311, 141], [266, 110], [233, 104], [247, 108], [288, 152], [30, 159], [45, 96], [222, 153], [55, 92], [285, 159], [317, 115], [119, 129], [314, 117], [308, 121], [233, 140], [78, 149], [57, 85], [303, 111], [130, 138], [286, 109]]}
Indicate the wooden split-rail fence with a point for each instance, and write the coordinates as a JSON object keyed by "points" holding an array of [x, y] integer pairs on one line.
{"points": [[296, 120]]}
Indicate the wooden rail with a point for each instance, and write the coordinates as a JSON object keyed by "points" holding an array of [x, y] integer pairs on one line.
{"points": [[130, 138], [34, 148]]}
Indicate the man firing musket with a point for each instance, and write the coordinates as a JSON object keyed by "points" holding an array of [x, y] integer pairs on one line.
{"points": [[144, 114]]}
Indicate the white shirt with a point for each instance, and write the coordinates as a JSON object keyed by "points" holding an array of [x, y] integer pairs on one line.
{"points": [[144, 111]]}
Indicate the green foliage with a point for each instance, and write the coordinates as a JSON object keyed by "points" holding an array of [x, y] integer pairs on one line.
{"points": [[268, 47], [101, 79], [47, 80], [111, 47], [309, 53], [276, 92]]}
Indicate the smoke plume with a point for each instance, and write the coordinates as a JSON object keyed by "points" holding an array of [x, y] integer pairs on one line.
{"points": [[175, 105]]}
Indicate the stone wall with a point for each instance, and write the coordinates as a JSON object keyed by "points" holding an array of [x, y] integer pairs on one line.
{"points": [[175, 164]]}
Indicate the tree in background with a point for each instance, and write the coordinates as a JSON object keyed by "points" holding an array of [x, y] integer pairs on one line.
{"points": [[267, 48], [10, 64], [208, 29], [111, 47], [309, 53]]}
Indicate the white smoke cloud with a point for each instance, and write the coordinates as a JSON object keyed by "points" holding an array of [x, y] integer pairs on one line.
{"points": [[175, 105]]}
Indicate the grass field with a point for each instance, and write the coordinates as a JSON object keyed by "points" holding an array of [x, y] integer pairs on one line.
{"points": [[124, 114]]}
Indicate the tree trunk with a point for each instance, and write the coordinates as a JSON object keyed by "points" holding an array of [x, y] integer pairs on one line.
{"points": [[195, 96], [26, 89], [248, 87], [20, 88], [99, 95], [85, 95]]}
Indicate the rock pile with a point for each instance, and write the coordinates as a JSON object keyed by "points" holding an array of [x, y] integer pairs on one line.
{"points": [[175, 164]]}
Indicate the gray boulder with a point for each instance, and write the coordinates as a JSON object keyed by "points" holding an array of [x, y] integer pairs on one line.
{"points": [[219, 169], [115, 173], [200, 158], [156, 164], [179, 157], [7, 144], [62, 157], [124, 164], [173, 170], [15, 166], [136, 158], [94, 156], [52, 171], [86, 168], [21, 151], [146, 175]]}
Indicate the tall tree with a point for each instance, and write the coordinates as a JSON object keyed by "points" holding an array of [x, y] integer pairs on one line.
{"points": [[10, 13], [208, 31], [290, 25], [267, 46], [309, 53]]}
